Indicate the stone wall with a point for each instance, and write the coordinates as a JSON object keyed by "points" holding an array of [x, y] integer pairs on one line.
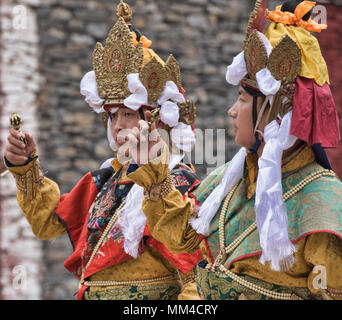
{"points": [[20, 252]]}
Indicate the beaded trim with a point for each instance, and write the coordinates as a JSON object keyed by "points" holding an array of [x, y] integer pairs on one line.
{"points": [[106, 283], [331, 293], [225, 251], [186, 278], [159, 191]]}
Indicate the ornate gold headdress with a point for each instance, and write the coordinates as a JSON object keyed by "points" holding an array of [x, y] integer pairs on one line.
{"points": [[284, 62], [114, 62], [120, 57]]}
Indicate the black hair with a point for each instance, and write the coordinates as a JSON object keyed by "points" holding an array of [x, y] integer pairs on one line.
{"points": [[291, 5], [137, 32]]}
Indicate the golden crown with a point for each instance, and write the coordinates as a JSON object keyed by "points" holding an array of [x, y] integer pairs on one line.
{"points": [[120, 58], [284, 62]]}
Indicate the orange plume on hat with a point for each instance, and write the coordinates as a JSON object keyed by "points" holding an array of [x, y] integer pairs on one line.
{"points": [[296, 18]]}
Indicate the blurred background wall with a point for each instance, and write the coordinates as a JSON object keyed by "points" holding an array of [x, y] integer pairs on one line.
{"points": [[41, 67]]}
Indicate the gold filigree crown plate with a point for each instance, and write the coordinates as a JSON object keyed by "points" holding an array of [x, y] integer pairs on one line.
{"points": [[284, 62], [255, 55], [120, 58], [114, 62]]}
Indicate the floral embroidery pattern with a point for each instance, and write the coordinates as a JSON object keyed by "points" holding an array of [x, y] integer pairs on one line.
{"points": [[107, 201]]}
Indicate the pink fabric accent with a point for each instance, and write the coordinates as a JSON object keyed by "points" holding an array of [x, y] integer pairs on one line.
{"points": [[314, 115]]}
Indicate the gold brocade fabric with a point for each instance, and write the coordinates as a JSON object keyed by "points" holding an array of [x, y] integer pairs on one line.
{"points": [[149, 265], [319, 249], [313, 63], [169, 291], [298, 159]]}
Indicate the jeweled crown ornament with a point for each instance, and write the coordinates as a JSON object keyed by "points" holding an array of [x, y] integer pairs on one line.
{"points": [[115, 61], [120, 57]]}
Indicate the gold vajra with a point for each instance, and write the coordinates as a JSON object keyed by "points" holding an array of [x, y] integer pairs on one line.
{"points": [[16, 121], [187, 113], [155, 116]]}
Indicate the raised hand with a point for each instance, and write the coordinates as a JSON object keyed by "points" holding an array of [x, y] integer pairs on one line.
{"points": [[142, 144], [16, 151]]}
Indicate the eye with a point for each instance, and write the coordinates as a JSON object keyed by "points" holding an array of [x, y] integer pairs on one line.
{"points": [[241, 98], [112, 115], [129, 114]]}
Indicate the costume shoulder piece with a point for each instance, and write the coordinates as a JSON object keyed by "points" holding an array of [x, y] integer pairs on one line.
{"points": [[184, 178]]}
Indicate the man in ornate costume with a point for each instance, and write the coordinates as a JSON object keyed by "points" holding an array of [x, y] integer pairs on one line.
{"points": [[115, 255], [272, 216]]}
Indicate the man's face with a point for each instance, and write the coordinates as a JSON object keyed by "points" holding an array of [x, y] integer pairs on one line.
{"points": [[242, 120], [123, 118]]}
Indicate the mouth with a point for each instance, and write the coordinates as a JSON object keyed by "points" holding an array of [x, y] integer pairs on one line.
{"points": [[235, 127]]}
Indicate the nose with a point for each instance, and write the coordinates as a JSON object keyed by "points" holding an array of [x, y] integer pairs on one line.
{"points": [[118, 122], [232, 112]]}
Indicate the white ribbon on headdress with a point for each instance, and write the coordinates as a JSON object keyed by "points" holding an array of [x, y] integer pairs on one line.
{"points": [[270, 210], [237, 70], [139, 94], [88, 88], [132, 219], [169, 111], [112, 143], [211, 205], [267, 84], [181, 134]]}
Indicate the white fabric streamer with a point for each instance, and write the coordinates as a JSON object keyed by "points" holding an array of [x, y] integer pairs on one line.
{"points": [[107, 163], [183, 137], [88, 88], [171, 92], [270, 210], [237, 70], [139, 93], [110, 137], [169, 111], [268, 85], [132, 219], [211, 205]]}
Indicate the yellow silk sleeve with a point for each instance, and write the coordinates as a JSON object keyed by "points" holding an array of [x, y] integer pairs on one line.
{"points": [[324, 252], [167, 218], [38, 198]]}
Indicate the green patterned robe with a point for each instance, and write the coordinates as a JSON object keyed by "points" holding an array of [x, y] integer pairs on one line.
{"points": [[316, 208]]}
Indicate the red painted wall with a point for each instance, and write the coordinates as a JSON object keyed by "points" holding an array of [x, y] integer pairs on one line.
{"points": [[331, 46]]}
